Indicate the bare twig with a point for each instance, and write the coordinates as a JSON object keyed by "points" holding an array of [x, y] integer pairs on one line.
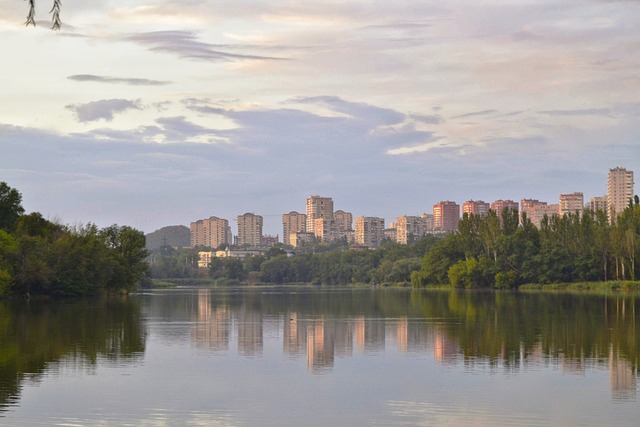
{"points": [[31, 17], [55, 14]]}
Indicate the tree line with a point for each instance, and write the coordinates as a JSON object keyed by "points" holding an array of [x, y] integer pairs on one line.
{"points": [[327, 264], [491, 251], [41, 257]]}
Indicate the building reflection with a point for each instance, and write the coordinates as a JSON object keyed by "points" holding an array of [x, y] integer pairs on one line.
{"points": [[250, 340], [324, 339], [212, 326], [320, 345], [622, 377]]}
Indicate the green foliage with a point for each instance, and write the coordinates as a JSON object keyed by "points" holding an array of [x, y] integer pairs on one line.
{"points": [[487, 251], [10, 206], [39, 257]]}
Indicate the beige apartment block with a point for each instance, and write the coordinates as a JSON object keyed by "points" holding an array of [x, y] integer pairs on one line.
{"points": [[476, 207], [211, 232], [298, 238], [250, 229], [410, 227], [293, 222], [344, 220], [499, 206], [446, 216], [598, 204], [571, 203], [428, 221], [537, 210], [619, 190], [318, 208], [369, 231]]}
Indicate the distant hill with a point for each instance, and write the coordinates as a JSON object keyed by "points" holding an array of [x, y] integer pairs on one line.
{"points": [[175, 235]]}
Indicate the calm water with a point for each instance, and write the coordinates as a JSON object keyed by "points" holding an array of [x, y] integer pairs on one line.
{"points": [[291, 357]]}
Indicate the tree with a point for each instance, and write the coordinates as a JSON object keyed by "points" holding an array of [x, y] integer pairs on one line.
{"points": [[128, 255], [55, 14], [10, 206]]}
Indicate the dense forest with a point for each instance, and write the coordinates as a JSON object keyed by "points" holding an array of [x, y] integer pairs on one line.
{"points": [[491, 251], [40, 257]]}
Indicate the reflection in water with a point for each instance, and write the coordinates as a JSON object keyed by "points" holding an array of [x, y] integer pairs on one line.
{"points": [[38, 337], [500, 330]]}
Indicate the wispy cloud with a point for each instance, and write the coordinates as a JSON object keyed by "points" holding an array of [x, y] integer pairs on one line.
{"points": [[102, 110], [186, 45], [475, 113], [579, 112], [117, 80]]}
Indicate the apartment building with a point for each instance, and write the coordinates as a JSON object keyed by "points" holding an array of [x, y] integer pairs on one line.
{"points": [[475, 207], [293, 222], [211, 232], [344, 220], [619, 190], [369, 231], [318, 207], [536, 210], [410, 227], [571, 203], [326, 230], [250, 229], [599, 203], [498, 206], [446, 215]]}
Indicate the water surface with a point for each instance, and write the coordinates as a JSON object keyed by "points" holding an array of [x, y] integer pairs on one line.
{"points": [[318, 357]]}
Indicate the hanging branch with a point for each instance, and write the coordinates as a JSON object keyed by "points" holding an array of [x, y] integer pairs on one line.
{"points": [[31, 17], [55, 14]]}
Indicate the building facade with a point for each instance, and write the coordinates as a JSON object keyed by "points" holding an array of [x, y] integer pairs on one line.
{"points": [[599, 204], [476, 207], [250, 229], [409, 228], [499, 206], [325, 230], [619, 191], [318, 207], [211, 232], [536, 210], [571, 203], [293, 222], [344, 220], [369, 231], [446, 216]]}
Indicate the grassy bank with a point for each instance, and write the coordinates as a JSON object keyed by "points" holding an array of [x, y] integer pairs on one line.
{"points": [[609, 286]]}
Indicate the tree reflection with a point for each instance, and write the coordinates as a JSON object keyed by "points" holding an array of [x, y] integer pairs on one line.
{"points": [[37, 336]]}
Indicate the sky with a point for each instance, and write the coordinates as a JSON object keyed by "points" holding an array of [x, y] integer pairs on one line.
{"points": [[156, 113]]}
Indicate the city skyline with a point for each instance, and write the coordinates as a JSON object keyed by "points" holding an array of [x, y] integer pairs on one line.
{"points": [[330, 225], [154, 114]]}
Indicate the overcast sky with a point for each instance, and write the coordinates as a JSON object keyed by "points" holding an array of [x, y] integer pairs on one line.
{"points": [[154, 113]]}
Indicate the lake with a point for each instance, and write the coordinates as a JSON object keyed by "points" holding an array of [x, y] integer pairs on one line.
{"points": [[321, 357]]}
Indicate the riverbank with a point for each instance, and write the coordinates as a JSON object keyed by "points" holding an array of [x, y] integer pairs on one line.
{"points": [[609, 286]]}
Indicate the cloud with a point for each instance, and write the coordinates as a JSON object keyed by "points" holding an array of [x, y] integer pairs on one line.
{"points": [[475, 113], [185, 45], [117, 80], [582, 112], [104, 109], [427, 119]]}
